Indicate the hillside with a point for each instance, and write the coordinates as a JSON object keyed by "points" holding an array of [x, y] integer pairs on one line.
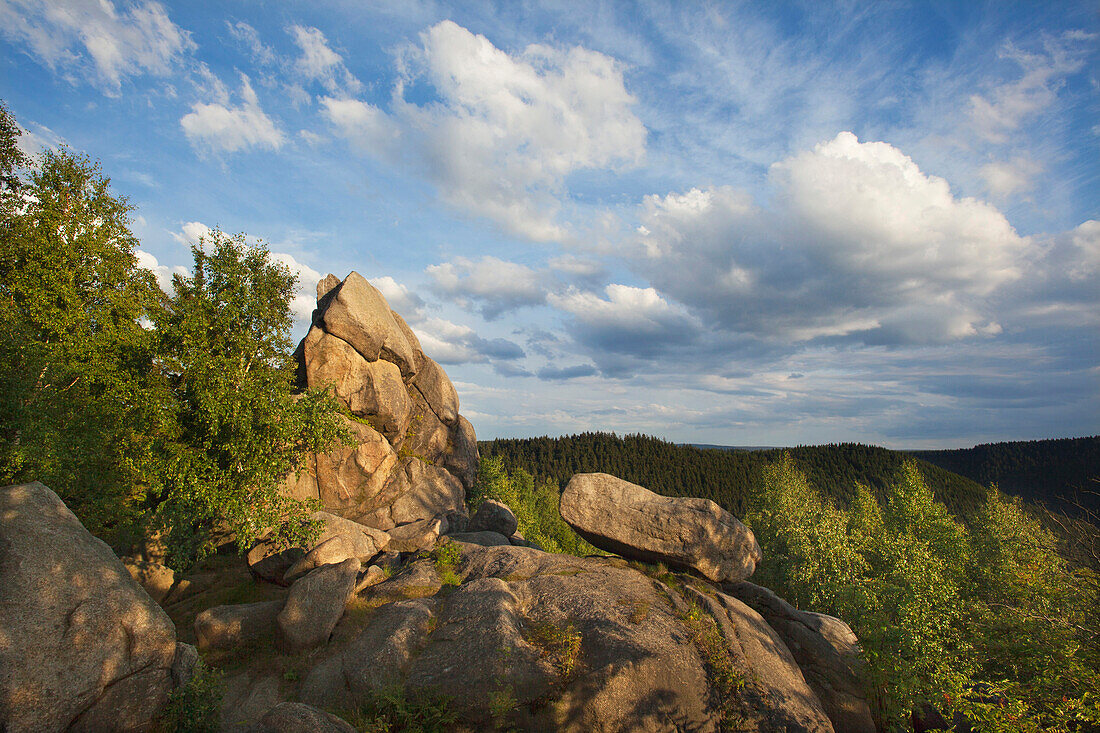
{"points": [[1054, 472], [725, 476]]}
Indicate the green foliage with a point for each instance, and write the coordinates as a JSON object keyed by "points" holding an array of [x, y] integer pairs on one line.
{"points": [[446, 556], [225, 342], [985, 620], [79, 399], [534, 505], [196, 706], [394, 710], [133, 405], [560, 643], [727, 477]]}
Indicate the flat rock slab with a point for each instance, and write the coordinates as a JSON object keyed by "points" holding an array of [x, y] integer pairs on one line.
{"points": [[631, 521], [226, 627], [294, 717], [82, 646]]}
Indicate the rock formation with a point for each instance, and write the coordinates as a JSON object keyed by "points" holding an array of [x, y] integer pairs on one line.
{"points": [[631, 521], [414, 455], [82, 646]]}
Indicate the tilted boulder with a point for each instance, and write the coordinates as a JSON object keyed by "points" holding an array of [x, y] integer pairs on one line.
{"points": [[413, 456], [316, 603], [82, 646], [338, 540], [493, 516], [826, 650], [631, 521]]}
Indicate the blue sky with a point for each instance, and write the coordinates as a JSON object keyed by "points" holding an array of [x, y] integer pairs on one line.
{"points": [[735, 223]]}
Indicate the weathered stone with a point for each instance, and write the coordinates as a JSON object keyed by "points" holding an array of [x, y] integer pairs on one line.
{"points": [[415, 536], [372, 575], [340, 539], [462, 458], [370, 389], [432, 492], [294, 717], [348, 481], [414, 342], [624, 518], [826, 650], [588, 644], [428, 438], [80, 642], [247, 698], [226, 627], [485, 538], [358, 314], [185, 663], [156, 579], [493, 516], [437, 391], [326, 284], [267, 561], [315, 604]]}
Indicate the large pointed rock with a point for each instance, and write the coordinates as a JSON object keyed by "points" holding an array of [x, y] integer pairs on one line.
{"points": [[358, 314], [371, 389], [629, 520], [82, 646]]}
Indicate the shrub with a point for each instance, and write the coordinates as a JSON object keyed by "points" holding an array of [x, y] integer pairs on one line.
{"points": [[395, 710], [196, 706]]}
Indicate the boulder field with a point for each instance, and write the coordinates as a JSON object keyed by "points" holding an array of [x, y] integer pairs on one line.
{"points": [[402, 596]]}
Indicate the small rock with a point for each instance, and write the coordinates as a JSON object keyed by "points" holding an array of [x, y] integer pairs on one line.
{"points": [[183, 667], [156, 579], [316, 603], [493, 516], [415, 536], [225, 627], [294, 717], [373, 575], [485, 538]]}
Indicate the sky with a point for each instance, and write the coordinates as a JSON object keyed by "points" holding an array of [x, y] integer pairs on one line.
{"points": [[729, 223]]}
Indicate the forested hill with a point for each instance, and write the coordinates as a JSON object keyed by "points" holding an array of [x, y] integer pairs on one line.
{"points": [[725, 476], [1051, 471]]}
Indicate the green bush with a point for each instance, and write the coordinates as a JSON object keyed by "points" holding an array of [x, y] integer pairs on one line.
{"points": [[535, 507], [195, 707], [988, 621], [395, 710]]}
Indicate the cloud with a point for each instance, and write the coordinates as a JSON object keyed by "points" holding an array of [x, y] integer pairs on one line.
{"points": [[1008, 177], [163, 273], [1004, 108], [92, 36], [249, 37], [561, 374], [319, 63], [504, 130], [367, 127], [408, 304], [192, 233], [452, 343], [495, 285], [857, 243], [216, 128]]}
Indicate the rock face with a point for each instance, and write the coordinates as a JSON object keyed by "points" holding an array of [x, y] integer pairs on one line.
{"points": [[826, 650], [82, 646], [631, 521], [414, 455], [554, 642]]}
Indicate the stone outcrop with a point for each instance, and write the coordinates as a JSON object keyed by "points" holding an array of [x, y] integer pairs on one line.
{"points": [[294, 717], [826, 650], [574, 644], [413, 455], [687, 533], [82, 646], [315, 604]]}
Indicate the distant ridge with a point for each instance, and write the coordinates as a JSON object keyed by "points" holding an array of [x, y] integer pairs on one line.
{"points": [[1056, 472]]}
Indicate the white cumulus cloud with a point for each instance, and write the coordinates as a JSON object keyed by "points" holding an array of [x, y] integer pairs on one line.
{"points": [[319, 63], [496, 285], [94, 37], [217, 128]]}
